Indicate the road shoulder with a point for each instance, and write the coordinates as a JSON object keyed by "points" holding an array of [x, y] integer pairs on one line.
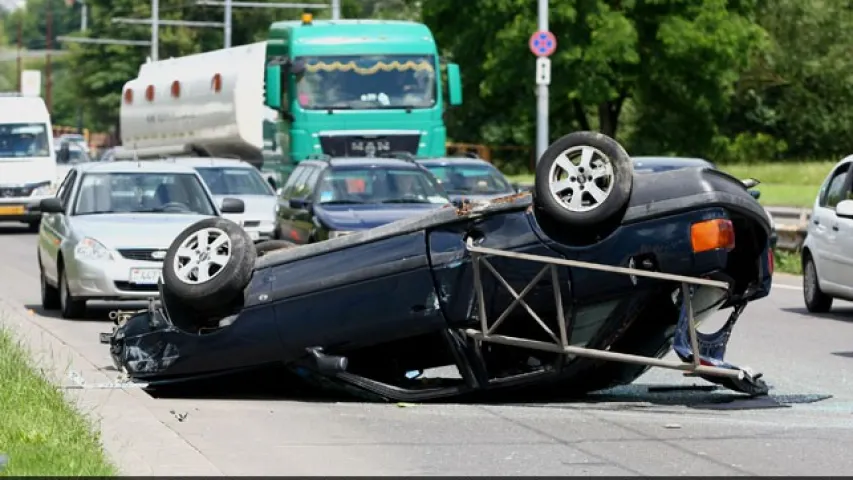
{"points": [[134, 439]]}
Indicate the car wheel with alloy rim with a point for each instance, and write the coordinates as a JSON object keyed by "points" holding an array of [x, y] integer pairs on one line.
{"points": [[816, 301], [71, 307]]}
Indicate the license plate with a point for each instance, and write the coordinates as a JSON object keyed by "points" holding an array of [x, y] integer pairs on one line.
{"points": [[145, 276], [254, 234], [12, 210]]}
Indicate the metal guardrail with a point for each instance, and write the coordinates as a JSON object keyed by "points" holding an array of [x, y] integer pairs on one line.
{"points": [[791, 226]]}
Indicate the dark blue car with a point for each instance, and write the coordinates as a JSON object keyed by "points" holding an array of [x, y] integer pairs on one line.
{"points": [[581, 285], [329, 197], [652, 164]]}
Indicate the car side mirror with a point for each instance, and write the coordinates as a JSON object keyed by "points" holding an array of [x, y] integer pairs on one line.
{"points": [[232, 205], [300, 203], [51, 205], [844, 209]]}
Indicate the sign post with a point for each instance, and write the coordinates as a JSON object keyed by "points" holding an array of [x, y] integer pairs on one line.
{"points": [[542, 44], [31, 83]]}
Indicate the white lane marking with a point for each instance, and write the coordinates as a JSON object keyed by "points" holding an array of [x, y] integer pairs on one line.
{"points": [[786, 287]]}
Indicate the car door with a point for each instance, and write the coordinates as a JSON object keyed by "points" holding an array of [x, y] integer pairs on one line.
{"points": [[824, 229], [303, 218], [284, 218], [842, 249], [55, 228]]}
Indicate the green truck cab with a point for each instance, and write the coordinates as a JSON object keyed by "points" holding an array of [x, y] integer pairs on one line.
{"points": [[354, 88]]}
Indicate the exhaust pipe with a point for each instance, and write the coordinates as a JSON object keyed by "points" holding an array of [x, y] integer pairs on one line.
{"points": [[327, 364]]}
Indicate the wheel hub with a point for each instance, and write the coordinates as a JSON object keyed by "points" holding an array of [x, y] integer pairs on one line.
{"points": [[202, 255], [584, 186]]}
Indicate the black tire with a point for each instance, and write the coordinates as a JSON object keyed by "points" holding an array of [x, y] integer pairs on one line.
{"points": [[617, 185], [267, 246], [34, 226], [816, 301], [49, 294], [227, 282], [70, 307]]}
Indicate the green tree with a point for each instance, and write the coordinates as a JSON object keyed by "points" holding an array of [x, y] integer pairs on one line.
{"points": [[799, 90], [659, 54], [102, 70]]}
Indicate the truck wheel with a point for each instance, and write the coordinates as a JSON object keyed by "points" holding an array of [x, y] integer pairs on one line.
{"points": [[583, 179], [209, 264], [268, 246]]}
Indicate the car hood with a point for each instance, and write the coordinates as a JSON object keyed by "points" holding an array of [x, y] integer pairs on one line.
{"points": [[359, 217], [258, 207], [133, 230]]}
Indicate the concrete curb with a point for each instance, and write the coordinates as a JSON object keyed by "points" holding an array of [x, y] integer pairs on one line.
{"points": [[135, 440]]}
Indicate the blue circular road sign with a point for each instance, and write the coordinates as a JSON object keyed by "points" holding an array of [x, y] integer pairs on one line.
{"points": [[543, 44]]}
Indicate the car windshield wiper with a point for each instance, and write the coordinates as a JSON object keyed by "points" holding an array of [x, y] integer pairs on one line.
{"points": [[97, 212], [405, 200], [340, 202], [160, 210]]}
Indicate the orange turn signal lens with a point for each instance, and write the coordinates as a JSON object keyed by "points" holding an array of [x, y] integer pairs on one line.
{"points": [[712, 235]]}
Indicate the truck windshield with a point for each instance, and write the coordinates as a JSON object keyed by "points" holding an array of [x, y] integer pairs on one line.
{"points": [[357, 82], [379, 185], [23, 140], [234, 181]]}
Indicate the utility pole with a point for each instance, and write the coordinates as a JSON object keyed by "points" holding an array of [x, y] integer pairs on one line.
{"points": [[84, 16], [155, 30], [20, 46], [542, 92], [336, 9], [227, 23], [49, 46]]}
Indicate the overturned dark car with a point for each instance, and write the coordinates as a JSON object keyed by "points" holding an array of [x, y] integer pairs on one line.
{"points": [[581, 285]]}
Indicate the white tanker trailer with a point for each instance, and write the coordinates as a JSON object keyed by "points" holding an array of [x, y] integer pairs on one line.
{"points": [[208, 104]]}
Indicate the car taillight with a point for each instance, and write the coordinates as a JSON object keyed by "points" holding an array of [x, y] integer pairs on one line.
{"points": [[771, 261], [718, 233]]}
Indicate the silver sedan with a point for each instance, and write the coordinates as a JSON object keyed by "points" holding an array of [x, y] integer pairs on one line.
{"points": [[105, 234]]}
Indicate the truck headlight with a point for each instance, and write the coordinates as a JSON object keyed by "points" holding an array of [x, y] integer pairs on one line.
{"points": [[338, 233], [45, 190], [91, 249]]}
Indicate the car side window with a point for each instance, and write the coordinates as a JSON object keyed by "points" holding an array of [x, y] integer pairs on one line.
{"points": [[311, 181], [65, 194], [837, 189], [293, 180], [301, 189], [65, 185]]}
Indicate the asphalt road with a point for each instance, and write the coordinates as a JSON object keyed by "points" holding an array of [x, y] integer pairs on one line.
{"points": [[628, 431]]}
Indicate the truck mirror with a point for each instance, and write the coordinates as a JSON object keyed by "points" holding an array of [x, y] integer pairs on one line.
{"points": [[297, 67], [273, 86], [454, 84]]}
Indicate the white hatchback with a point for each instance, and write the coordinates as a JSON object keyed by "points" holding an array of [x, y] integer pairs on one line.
{"points": [[828, 250]]}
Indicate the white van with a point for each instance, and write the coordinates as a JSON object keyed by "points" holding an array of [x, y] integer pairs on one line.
{"points": [[27, 158]]}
